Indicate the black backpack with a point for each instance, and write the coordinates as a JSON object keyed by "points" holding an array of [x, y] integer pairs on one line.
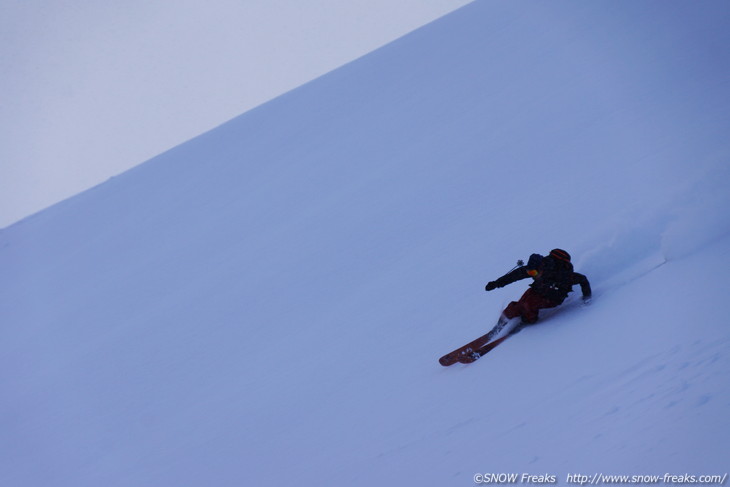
{"points": [[555, 280]]}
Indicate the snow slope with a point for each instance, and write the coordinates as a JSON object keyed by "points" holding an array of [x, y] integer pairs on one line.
{"points": [[266, 304]]}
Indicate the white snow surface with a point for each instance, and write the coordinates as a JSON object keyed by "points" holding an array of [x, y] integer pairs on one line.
{"points": [[266, 304]]}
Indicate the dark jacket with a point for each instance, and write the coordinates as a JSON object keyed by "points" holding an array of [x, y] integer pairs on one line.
{"points": [[554, 280]]}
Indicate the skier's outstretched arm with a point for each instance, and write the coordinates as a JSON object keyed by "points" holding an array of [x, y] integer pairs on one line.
{"points": [[512, 276]]}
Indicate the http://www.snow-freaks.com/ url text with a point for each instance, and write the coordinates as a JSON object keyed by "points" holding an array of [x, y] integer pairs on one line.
{"points": [[599, 479]]}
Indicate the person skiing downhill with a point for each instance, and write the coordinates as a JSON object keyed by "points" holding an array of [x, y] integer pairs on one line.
{"points": [[553, 278]]}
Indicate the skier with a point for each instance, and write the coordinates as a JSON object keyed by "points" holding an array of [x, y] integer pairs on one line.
{"points": [[553, 279]]}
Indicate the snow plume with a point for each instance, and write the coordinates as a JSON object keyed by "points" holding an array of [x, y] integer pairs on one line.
{"points": [[640, 239], [701, 215]]}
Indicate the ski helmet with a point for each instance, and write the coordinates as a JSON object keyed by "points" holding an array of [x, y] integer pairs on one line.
{"points": [[560, 254]]}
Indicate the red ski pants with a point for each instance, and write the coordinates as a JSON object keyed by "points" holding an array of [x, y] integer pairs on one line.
{"points": [[528, 306]]}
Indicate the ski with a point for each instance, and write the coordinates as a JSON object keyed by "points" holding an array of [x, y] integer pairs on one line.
{"points": [[484, 349], [453, 357]]}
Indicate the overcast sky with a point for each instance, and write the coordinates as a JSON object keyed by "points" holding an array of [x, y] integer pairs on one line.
{"points": [[90, 89]]}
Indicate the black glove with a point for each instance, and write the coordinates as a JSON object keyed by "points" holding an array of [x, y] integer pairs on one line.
{"points": [[491, 285]]}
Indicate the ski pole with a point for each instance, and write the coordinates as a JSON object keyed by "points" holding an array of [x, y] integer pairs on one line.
{"points": [[520, 263]]}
